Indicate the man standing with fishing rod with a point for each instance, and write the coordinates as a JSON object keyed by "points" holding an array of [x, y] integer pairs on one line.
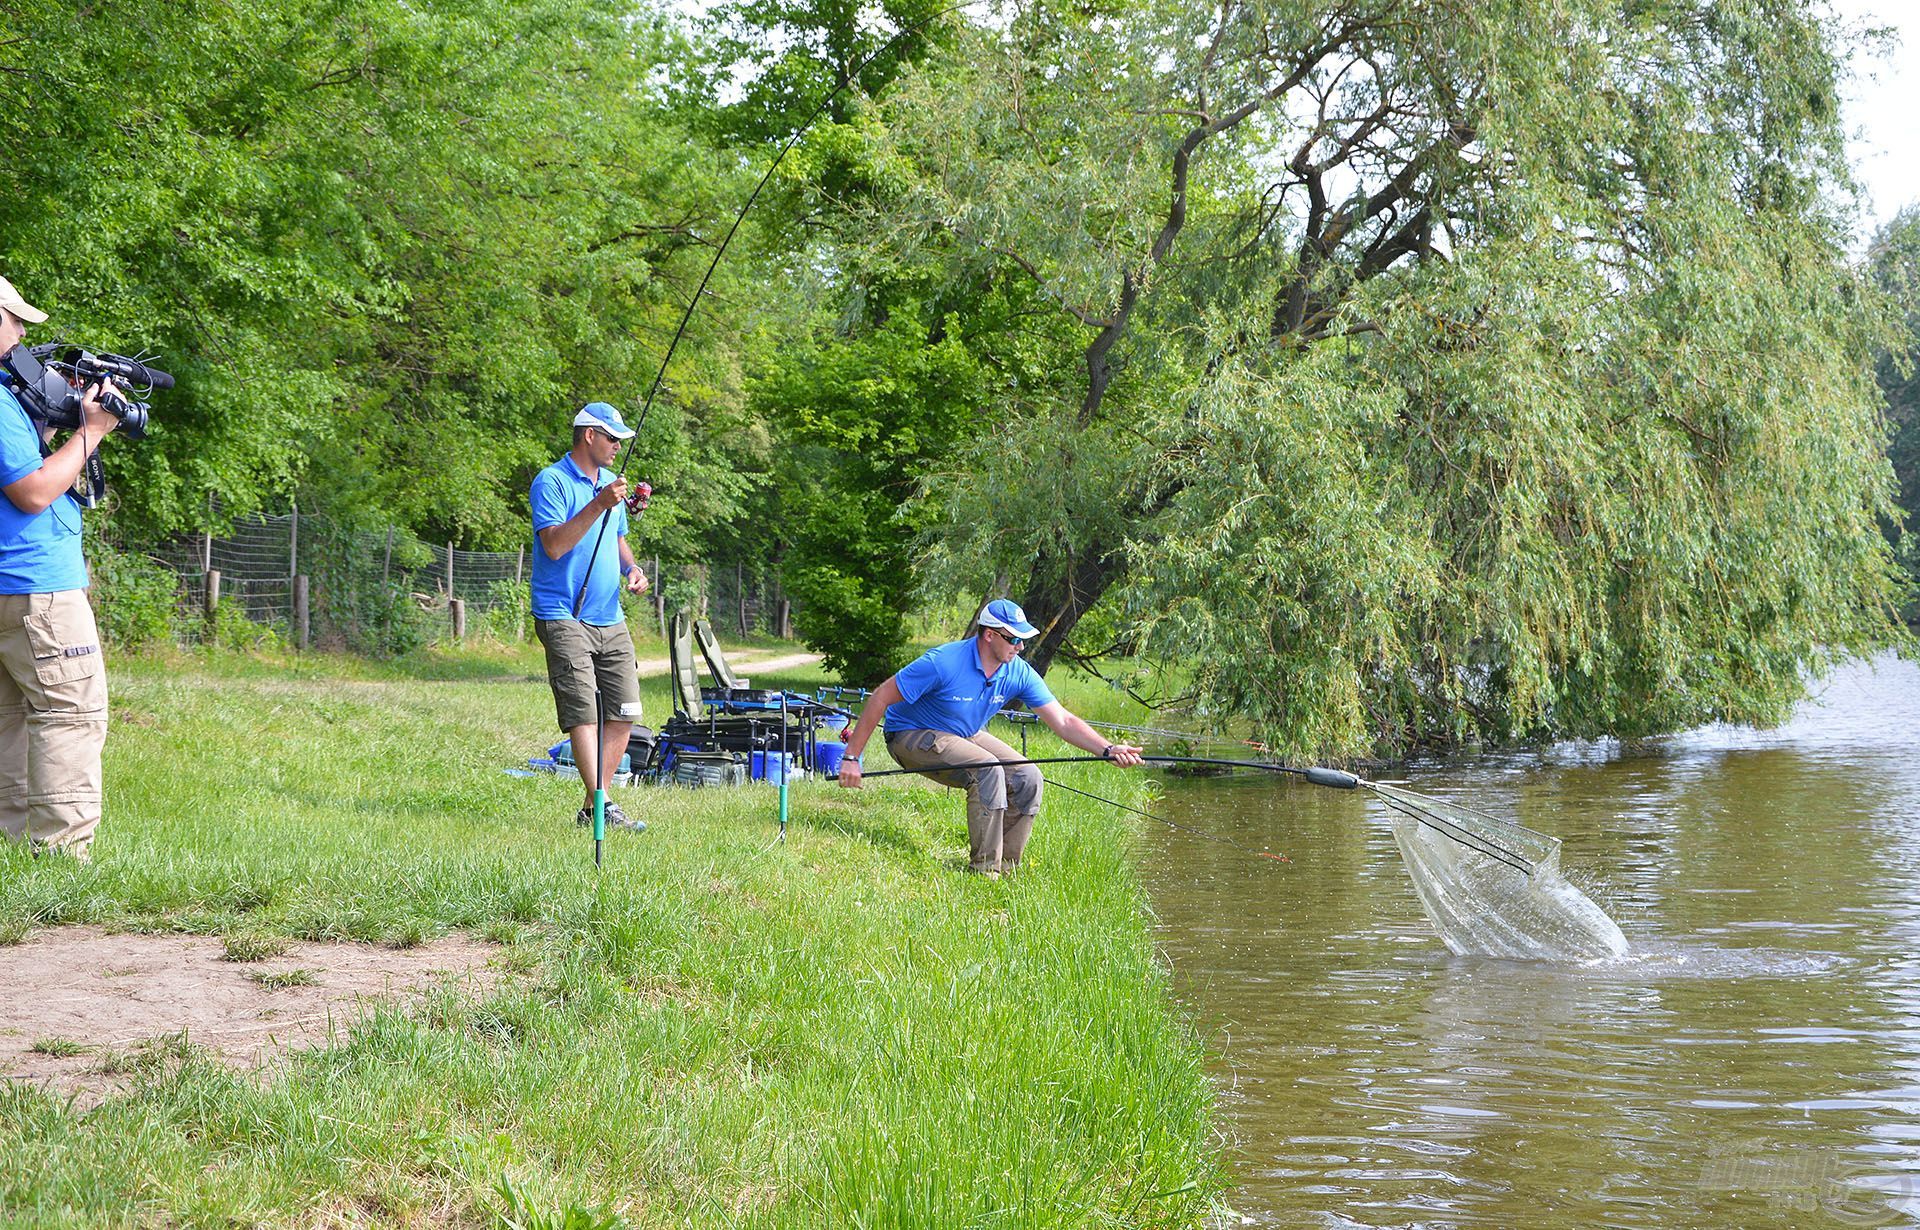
{"points": [[936, 712], [590, 658]]}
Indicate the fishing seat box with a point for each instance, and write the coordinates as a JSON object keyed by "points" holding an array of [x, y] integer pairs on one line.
{"points": [[642, 745], [708, 769]]}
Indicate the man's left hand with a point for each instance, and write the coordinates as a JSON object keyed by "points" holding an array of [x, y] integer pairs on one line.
{"points": [[637, 581], [1126, 755]]}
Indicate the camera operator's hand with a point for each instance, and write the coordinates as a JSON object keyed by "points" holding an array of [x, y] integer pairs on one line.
{"points": [[98, 420], [610, 495]]}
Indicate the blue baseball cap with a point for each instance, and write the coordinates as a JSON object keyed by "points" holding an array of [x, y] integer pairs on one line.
{"points": [[599, 414], [1006, 614]]}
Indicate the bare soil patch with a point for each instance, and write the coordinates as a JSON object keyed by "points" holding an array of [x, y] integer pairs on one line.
{"points": [[68, 988]]}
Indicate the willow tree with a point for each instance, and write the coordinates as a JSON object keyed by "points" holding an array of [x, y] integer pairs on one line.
{"points": [[1449, 371]]}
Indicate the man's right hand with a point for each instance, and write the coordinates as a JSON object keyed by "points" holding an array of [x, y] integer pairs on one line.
{"points": [[611, 494], [849, 774], [96, 419]]}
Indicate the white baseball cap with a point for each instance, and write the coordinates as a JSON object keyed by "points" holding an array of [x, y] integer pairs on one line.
{"points": [[10, 299]]}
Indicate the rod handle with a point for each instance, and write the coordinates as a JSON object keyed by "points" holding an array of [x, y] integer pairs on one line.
{"points": [[1339, 779]]}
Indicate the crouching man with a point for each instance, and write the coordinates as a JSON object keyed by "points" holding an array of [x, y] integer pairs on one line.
{"points": [[936, 711]]}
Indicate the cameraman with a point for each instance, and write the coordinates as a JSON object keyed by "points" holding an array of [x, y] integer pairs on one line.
{"points": [[53, 678]]}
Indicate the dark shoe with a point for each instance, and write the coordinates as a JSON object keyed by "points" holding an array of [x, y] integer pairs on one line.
{"points": [[616, 819]]}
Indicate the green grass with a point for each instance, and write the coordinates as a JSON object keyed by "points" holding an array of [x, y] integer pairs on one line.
{"points": [[712, 1029], [277, 980], [59, 1048]]}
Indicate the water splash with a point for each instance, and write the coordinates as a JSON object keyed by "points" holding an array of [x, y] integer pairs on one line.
{"points": [[1484, 907]]}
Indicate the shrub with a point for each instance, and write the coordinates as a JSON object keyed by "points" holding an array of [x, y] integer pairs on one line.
{"points": [[136, 599]]}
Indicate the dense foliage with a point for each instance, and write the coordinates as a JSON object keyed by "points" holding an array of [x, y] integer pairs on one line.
{"points": [[382, 246], [1415, 373], [1895, 265], [1443, 374]]}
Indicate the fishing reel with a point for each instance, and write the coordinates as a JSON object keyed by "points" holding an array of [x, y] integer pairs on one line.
{"points": [[637, 496]]}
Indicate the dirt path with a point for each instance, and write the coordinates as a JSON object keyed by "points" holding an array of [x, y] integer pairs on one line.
{"points": [[746, 666], [83, 1007]]}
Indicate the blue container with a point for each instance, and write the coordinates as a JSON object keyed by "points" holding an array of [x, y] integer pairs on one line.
{"points": [[826, 757], [768, 766], [834, 721], [561, 754]]}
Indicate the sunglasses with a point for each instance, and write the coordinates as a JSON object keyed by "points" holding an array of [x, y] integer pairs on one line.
{"points": [[1015, 641]]}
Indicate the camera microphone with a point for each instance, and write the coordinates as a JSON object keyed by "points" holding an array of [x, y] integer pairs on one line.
{"points": [[132, 371]]}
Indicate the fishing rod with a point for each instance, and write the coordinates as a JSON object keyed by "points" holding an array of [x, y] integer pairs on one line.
{"points": [[1515, 845], [686, 317], [1338, 779], [1157, 732]]}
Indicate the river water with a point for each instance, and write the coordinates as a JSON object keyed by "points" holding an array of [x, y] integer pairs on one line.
{"points": [[1754, 1061]]}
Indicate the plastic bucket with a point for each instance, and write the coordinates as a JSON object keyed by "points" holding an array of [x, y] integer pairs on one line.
{"points": [[826, 757], [768, 766]]}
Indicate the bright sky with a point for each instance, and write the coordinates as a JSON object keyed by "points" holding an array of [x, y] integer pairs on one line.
{"points": [[1882, 109]]}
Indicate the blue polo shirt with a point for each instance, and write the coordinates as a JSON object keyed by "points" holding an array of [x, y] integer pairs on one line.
{"points": [[945, 689], [560, 491], [39, 552]]}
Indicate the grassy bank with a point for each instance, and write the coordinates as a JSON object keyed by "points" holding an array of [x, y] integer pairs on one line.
{"points": [[711, 1030]]}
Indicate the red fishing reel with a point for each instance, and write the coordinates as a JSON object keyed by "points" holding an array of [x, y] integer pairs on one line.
{"points": [[637, 496]]}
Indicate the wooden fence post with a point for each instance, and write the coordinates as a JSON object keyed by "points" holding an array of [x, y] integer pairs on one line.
{"points": [[300, 637], [459, 610], [740, 594], [213, 592]]}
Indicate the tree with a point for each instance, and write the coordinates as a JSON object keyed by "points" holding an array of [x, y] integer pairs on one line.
{"points": [[1449, 372], [383, 246], [1893, 263]]}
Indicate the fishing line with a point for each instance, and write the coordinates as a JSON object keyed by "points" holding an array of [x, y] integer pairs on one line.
{"points": [[1191, 832]]}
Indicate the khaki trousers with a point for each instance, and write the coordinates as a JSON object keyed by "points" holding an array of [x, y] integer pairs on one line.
{"points": [[1001, 802], [53, 719]]}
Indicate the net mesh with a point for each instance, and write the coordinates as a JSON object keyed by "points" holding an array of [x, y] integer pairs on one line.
{"points": [[1493, 888]]}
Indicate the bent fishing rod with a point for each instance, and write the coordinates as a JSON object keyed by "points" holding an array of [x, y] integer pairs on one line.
{"points": [[1413, 806], [847, 78]]}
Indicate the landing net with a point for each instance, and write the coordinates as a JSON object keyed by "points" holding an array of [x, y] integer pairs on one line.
{"points": [[1493, 888]]}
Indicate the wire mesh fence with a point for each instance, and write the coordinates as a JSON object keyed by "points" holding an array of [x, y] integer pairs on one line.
{"points": [[313, 581]]}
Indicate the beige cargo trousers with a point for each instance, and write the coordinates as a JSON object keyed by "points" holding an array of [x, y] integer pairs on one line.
{"points": [[1001, 800], [53, 720]]}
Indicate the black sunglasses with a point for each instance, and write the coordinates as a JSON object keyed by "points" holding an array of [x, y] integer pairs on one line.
{"points": [[1017, 642]]}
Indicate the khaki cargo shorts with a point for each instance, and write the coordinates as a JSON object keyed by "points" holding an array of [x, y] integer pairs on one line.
{"points": [[583, 658]]}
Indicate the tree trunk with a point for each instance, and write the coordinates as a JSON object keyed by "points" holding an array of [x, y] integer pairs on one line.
{"points": [[1072, 587]]}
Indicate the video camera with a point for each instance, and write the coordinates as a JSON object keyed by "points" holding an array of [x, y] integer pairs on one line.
{"points": [[51, 382]]}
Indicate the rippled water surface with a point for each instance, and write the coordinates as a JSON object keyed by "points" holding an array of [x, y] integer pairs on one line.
{"points": [[1755, 1060]]}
